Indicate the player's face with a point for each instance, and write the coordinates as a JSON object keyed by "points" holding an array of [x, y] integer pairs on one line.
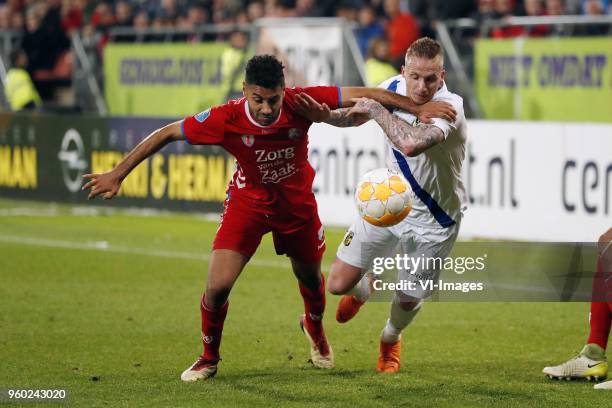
{"points": [[264, 103], [423, 78]]}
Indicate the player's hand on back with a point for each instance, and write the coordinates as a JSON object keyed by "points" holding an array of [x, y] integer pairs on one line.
{"points": [[107, 184], [436, 109], [312, 110]]}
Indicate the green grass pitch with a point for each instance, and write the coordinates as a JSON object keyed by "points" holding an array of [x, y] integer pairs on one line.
{"points": [[106, 306]]}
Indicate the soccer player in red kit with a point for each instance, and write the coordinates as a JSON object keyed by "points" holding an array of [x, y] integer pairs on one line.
{"points": [[271, 191]]}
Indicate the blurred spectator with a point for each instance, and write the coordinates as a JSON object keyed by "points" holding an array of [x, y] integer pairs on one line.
{"points": [[242, 18], [595, 8], [486, 10], [535, 8], [19, 89], [163, 21], [102, 18], [368, 29], [44, 40], [196, 16], [307, 8], [573, 6], [445, 10], [225, 11], [17, 21], [255, 11], [5, 17], [495, 10], [123, 14], [167, 10], [72, 15], [377, 65], [504, 8], [402, 30], [555, 8], [348, 9], [141, 19], [269, 8], [232, 62]]}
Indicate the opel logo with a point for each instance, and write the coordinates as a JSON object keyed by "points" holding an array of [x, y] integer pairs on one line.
{"points": [[72, 159]]}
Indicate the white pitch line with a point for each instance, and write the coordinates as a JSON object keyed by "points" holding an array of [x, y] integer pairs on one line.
{"points": [[104, 246]]}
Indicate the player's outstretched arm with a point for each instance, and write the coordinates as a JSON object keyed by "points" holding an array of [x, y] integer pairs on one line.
{"points": [[425, 113], [410, 140], [314, 111], [108, 183]]}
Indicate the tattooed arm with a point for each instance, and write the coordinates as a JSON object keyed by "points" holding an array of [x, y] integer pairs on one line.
{"points": [[410, 140], [314, 111], [341, 118]]}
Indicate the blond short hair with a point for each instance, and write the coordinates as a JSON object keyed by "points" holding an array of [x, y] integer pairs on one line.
{"points": [[427, 48]]}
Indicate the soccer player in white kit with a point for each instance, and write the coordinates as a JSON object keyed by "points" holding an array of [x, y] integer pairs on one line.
{"points": [[430, 157]]}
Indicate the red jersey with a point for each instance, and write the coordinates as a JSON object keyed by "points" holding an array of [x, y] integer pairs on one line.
{"points": [[272, 170]]}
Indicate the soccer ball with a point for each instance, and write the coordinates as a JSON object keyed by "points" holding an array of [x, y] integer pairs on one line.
{"points": [[383, 197]]}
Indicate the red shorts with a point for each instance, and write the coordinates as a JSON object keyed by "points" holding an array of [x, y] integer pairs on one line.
{"points": [[242, 228]]}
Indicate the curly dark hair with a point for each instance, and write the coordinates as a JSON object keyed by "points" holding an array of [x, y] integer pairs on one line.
{"points": [[265, 71]]}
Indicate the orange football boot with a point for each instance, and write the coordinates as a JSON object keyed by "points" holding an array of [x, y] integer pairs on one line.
{"points": [[347, 308], [389, 357]]}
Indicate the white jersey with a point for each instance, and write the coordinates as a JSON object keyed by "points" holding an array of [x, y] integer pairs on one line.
{"points": [[435, 174]]}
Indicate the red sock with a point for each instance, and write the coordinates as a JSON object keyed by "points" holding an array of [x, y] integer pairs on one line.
{"points": [[212, 328], [314, 303], [600, 317]]}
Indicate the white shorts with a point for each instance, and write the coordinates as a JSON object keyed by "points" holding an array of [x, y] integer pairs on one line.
{"points": [[363, 242]]}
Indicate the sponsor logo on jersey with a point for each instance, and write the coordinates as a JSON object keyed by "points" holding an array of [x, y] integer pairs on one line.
{"points": [[294, 133], [275, 165], [202, 116], [248, 140], [264, 155], [348, 238], [277, 174]]}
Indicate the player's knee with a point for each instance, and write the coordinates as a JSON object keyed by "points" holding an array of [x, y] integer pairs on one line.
{"points": [[216, 296], [340, 277], [335, 286], [335, 282]]}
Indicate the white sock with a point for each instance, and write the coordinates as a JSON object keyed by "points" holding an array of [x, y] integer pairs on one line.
{"points": [[398, 320], [362, 289]]}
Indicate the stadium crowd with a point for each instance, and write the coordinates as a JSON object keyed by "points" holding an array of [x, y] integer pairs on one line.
{"points": [[384, 28]]}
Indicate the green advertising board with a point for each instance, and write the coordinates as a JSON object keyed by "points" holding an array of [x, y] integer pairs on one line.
{"points": [[43, 157], [556, 79], [164, 79]]}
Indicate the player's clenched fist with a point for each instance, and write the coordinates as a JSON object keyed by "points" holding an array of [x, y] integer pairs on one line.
{"points": [[107, 184]]}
